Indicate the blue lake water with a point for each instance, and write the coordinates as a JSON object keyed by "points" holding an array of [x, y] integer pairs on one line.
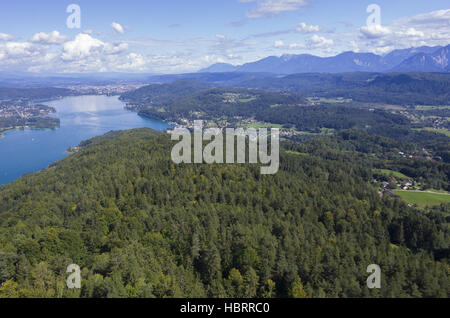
{"points": [[82, 117]]}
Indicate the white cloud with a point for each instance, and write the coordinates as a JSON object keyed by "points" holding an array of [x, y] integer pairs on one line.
{"points": [[18, 49], [383, 50], [225, 45], [431, 29], [319, 44], [433, 17], [135, 62], [304, 28], [6, 37], [279, 44], [354, 46], [292, 46], [82, 47], [118, 28], [267, 8], [115, 48], [85, 46], [18, 53], [374, 31], [82, 54], [411, 32], [316, 41], [53, 37]]}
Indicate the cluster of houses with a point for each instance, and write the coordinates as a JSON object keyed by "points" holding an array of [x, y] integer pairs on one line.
{"points": [[405, 184], [9, 110], [231, 97]]}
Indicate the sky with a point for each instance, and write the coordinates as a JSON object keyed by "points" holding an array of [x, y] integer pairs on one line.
{"points": [[176, 36]]}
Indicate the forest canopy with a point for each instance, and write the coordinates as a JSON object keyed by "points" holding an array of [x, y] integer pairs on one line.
{"points": [[140, 226]]}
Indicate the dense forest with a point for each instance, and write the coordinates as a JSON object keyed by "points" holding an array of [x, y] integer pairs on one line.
{"points": [[189, 99], [140, 226], [380, 152], [35, 123], [391, 88]]}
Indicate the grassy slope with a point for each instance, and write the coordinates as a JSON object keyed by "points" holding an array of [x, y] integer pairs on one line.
{"points": [[423, 198]]}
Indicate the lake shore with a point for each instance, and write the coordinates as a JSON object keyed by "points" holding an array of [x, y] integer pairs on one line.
{"points": [[31, 148], [5, 131]]}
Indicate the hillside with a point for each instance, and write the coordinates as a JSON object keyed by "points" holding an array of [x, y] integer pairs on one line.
{"points": [[437, 61], [165, 92], [411, 88], [140, 226], [391, 88]]}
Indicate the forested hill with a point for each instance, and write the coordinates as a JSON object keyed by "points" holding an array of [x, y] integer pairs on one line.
{"points": [[164, 92], [140, 226], [394, 88]]}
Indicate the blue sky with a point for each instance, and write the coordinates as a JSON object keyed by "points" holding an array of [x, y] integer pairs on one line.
{"points": [[186, 35]]}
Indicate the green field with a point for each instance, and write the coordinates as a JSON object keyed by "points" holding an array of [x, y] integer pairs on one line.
{"points": [[247, 100], [323, 132], [431, 107], [329, 100], [440, 131], [264, 125], [389, 107], [423, 198], [296, 153], [392, 172]]}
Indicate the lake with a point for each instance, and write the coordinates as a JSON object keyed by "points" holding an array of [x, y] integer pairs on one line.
{"points": [[82, 117]]}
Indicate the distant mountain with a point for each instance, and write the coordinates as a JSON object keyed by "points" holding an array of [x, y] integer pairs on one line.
{"points": [[286, 64], [421, 59], [354, 62], [220, 68], [396, 57], [438, 61], [306, 63]]}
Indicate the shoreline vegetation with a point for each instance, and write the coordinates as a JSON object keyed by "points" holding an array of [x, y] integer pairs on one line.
{"points": [[23, 108], [52, 124], [16, 115]]}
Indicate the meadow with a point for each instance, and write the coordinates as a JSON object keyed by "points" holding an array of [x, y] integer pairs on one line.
{"points": [[423, 198]]}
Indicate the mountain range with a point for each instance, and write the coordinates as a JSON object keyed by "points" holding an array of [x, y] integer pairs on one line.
{"points": [[420, 59]]}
